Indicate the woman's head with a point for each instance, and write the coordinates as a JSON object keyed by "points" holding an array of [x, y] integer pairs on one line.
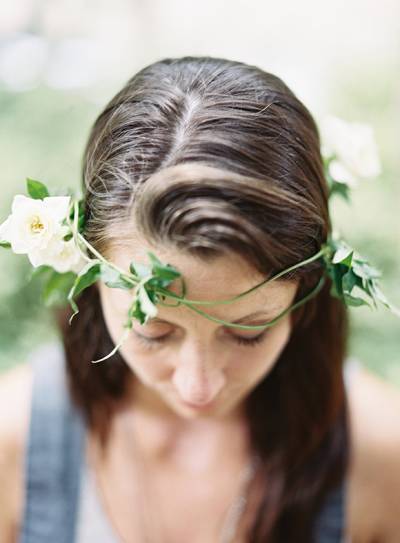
{"points": [[216, 166], [180, 357]]}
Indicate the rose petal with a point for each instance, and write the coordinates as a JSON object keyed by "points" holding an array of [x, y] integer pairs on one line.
{"points": [[21, 201], [353, 146], [5, 229], [57, 206], [36, 258], [341, 174]]}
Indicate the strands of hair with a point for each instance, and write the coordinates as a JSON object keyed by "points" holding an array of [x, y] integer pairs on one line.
{"points": [[222, 156]]}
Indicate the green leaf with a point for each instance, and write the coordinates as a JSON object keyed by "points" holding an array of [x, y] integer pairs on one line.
{"points": [[36, 189], [81, 216], [344, 255], [153, 295], [146, 304], [113, 279], [163, 271], [155, 282], [341, 189], [56, 289], [140, 270], [87, 276], [354, 301], [336, 273], [136, 312], [40, 272], [167, 273], [365, 270], [155, 261], [5, 244], [349, 280]]}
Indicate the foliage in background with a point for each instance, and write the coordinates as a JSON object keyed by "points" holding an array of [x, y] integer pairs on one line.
{"points": [[372, 223], [43, 132]]}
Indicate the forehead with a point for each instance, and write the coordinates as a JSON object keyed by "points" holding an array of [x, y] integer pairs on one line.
{"points": [[220, 278]]}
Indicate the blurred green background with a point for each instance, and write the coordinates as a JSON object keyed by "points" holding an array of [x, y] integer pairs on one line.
{"points": [[75, 56]]}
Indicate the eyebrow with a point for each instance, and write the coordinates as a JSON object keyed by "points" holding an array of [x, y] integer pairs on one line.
{"points": [[264, 312]]}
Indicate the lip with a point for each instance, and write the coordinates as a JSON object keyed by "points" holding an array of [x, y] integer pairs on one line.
{"points": [[199, 406]]}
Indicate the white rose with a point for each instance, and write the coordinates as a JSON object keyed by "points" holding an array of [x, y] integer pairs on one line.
{"points": [[353, 148], [61, 255], [34, 224], [35, 228]]}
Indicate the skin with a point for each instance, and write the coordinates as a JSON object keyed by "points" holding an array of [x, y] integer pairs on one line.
{"points": [[202, 363], [199, 363]]}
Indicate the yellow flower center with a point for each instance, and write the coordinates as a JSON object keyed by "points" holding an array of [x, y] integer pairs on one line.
{"points": [[36, 225]]}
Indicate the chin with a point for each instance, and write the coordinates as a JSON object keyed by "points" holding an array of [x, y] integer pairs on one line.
{"points": [[215, 409]]}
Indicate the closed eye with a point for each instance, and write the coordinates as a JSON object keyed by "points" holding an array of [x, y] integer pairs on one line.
{"points": [[250, 340], [154, 341]]}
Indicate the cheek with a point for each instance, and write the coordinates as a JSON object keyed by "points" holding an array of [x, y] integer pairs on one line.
{"points": [[245, 366], [252, 366], [114, 305], [149, 368]]}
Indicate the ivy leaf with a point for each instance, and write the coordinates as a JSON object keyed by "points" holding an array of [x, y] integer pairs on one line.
{"points": [[343, 255], [336, 273], [166, 272], [40, 272], [36, 189], [379, 295], [152, 294], [348, 270], [5, 244], [341, 189], [135, 312], [354, 301], [365, 270], [57, 287], [146, 304], [139, 270], [349, 280], [81, 216], [113, 279], [87, 276]]}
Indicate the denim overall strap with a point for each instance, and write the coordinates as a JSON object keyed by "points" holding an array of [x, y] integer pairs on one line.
{"points": [[53, 454], [330, 523]]}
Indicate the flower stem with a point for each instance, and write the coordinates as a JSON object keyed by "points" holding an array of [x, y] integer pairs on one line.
{"points": [[186, 301], [79, 238], [289, 309], [74, 229]]}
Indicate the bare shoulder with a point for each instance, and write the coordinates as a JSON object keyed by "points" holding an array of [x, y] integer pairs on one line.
{"points": [[15, 394], [374, 485]]}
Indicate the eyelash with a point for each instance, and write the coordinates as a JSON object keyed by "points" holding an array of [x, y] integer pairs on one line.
{"points": [[249, 342]]}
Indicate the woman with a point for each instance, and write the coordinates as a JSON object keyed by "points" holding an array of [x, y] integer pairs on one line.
{"points": [[215, 167]]}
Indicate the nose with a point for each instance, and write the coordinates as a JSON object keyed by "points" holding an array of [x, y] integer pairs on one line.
{"points": [[197, 379]]}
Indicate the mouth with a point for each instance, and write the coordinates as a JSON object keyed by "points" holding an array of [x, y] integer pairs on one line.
{"points": [[199, 406]]}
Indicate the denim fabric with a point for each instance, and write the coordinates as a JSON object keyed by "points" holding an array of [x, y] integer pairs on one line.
{"points": [[55, 469], [53, 455]]}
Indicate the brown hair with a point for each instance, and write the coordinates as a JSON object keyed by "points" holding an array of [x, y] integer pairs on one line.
{"points": [[222, 156]]}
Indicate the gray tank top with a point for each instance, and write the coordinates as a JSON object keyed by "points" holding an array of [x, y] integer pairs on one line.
{"points": [[61, 502]]}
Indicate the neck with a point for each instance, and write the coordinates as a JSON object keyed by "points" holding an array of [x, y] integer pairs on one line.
{"points": [[164, 434]]}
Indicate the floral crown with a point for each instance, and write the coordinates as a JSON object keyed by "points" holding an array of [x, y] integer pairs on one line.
{"points": [[50, 231]]}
